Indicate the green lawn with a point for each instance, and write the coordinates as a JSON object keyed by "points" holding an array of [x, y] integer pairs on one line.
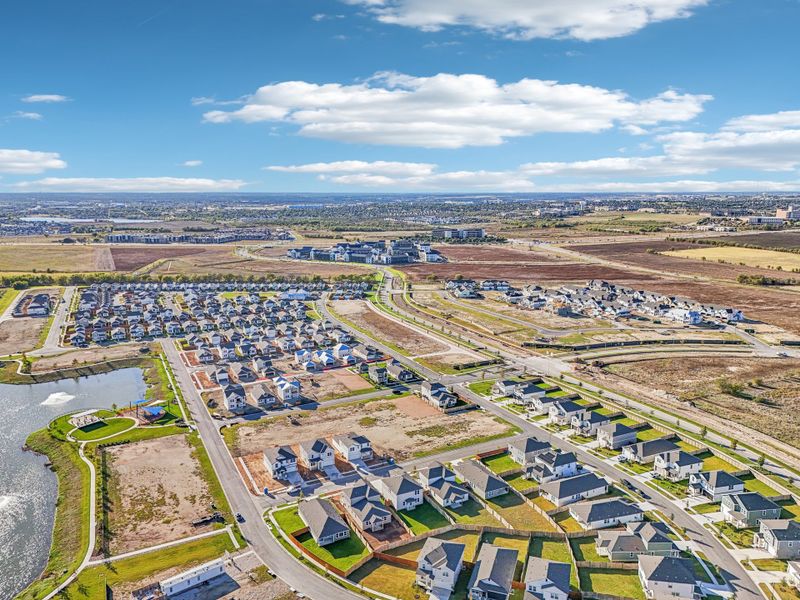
{"points": [[388, 579], [482, 388], [581, 439], [543, 503], [741, 537], [342, 554], [474, 513], [410, 551], [786, 592], [556, 550], [686, 446], [567, 522], [769, 564], [751, 484], [605, 411], [519, 483], [468, 538], [289, 520], [679, 489], [501, 463], [108, 427], [708, 507], [7, 296], [519, 515], [610, 581], [423, 518], [790, 510], [712, 462], [649, 433], [638, 468], [91, 582], [586, 549]]}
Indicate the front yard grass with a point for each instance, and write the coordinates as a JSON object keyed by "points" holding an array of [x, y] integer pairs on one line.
{"points": [[482, 388], [388, 579], [708, 507], [611, 581], [342, 554], [679, 489], [519, 515], [500, 463], [423, 518], [769, 564], [473, 513], [586, 549], [743, 538]]}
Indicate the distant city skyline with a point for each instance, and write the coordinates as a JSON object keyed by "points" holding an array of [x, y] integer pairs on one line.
{"points": [[372, 96]]}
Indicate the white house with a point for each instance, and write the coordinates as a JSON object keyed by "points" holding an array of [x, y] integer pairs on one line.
{"points": [[547, 579], [192, 578], [280, 461], [714, 484], [353, 446], [667, 577], [317, 455], [676, 465], [439, 565], [402, 492]]}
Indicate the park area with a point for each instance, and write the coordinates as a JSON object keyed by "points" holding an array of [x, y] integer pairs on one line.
{"points": [[402, 428]]}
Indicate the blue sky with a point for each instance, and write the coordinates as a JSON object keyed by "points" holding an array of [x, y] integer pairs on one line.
{"points": [[400, 95]]}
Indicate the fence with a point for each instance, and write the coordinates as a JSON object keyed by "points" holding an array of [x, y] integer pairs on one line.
{"points": [[617, 566], [601, 345]]}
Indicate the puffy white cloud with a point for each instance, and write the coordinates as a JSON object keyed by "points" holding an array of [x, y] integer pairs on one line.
{"points": [[687, 185], [378, 167], [452, 111], [788, 119], [27, 115], [27, 162], [192, 163], [131, 184], [526, 19], [620, 166], [46, 98]]}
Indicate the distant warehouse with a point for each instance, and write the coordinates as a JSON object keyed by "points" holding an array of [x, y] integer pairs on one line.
{"points": [[447, 234]]}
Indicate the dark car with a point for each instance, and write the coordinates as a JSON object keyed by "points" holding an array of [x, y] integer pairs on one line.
{"points": [[239, 518]]}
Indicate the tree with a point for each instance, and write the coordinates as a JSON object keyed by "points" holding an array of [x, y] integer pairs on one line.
{"points": [[704, 432], [734, 444], [761, 460]]}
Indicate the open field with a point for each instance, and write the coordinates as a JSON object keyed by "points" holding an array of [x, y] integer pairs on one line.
{"points": [[131, 258], [399, 427], [335, 383], [625, 220], [156, 492], [404, 338], [89, 355], [21, 334], [767, 239], [751, 257], [496, 254], [447, 361], [519, 273], [58, 258], [768, 407]]}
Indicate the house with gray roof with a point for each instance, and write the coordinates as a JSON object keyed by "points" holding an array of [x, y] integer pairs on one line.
{"points": [[324, 523], [748, 509], [493, 573], [588, 423], [316, 454], [280, 461], [546, 579], [363, 503], [438, 566], [668, 578], [714, 485], [353, 446], [481, 480], [645, 452], [601, 514], [440, 483], [553, 465], [573, 489], [779, 537], [615, 435], [676, 465], [400, 491], [639, 538], [563, 411], [524, 451]]}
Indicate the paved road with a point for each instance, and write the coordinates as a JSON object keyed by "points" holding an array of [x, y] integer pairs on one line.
{"points": [[271, 553]]}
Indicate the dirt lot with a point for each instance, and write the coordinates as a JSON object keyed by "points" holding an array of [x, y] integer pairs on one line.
{"points": [[332, 384], [767, 401], [20, 335], [495, 254], [385, 329], [397, 427], [517, 273], [131, 258], [59, 258], [89, 355], [156, 491]]}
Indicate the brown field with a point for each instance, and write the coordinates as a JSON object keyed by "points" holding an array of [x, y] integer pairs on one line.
{"points": [[156, 491], [494, 254], [768, 239], [397, 427], [519, 273], [768, 405], [89, 356], [58, 258], [384, 329], [131, 258], [20, 335], [332, 384]]}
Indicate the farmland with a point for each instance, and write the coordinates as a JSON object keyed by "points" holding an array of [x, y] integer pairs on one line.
{"points": [[132, 258], [57, 258], [751, 257], [520, 273]]}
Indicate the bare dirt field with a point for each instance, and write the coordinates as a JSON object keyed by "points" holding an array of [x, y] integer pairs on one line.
{"points": [[89, 355], [767, 400], [335, 383], [385, 329], [446, 361], [156, 492], [131, 258], [21, 334], [63, 258], [517, 273], [768, 239], [398, 427], [495, 254]]}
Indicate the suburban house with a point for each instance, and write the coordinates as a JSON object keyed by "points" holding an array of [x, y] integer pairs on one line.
{"points": [[748, 509], [553, 465], [638, 538], [234, 397], [262, 396], [280, 461], [615, 435], [437, 395], [793, 574], [316, 455], [666, 577], [562, 412], [399, 372], [324, 523], [605, 513], [440, 483], [573, 489], [402, 492], [588, 423], [506, 387], [438, 566], [287, 391], [780, 537], [353, 446], [646, 452], [363, 503], [526, 450], [714, 484], [547, 579], [493, 573], [540, 405], [676, 465], [378, 374], [481, 480]]}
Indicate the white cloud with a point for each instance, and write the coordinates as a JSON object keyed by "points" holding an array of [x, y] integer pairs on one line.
{"points": [[192, 163], [379, 167], [687, 185], [788, 119], [527, 19], [30, 116], [622, 166], [27, 162], [132, 184], [46, 98], [452, 111]]}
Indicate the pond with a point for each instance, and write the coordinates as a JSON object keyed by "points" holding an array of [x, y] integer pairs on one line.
{"points": [[28, 490]]}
